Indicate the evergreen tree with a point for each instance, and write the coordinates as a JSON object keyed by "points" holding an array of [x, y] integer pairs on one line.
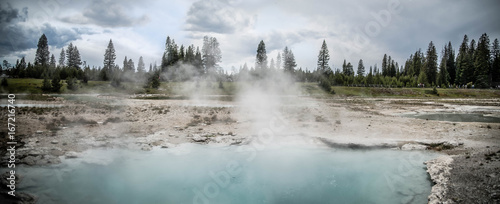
{"points": [[384, 66], [42, 52], [211, 54], [62, 57], [272, 66], [463, 62], [109, 61], [52, 61], [198, 62], [289, 61], [431, 63], [181, 53], [323, 59], [470, 69], [361, 68], [4, 83], [125, 64], [46, 87], [482, 62], [56, 83], [261, 57], [495, 64], [278, 61], [73, 57], [140, 66], [450, 63], [443, 76], [130, 66]]}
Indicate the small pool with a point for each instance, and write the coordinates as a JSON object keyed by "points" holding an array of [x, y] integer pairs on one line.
{"points": [[455, 117], [237, 174]]}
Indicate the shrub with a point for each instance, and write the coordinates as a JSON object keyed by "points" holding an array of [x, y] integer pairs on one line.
{"points": [[46, 85], [72, 83], [4, 82]]}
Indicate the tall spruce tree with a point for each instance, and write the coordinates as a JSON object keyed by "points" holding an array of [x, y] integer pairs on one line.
{"points": [[62, 58], [42, 52], [73, 56], [463, 62], [443, 76], [323, 59], [52, 62], [470, 69], [278, 61], [261, 56], [385, 71], [431, 63], [482, 62], [288, 61], [450, 63], [211, 54], [495, 64], [109, 56], [361, 68], [140, 66]]}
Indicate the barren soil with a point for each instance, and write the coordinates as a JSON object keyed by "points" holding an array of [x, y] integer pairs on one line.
{"points": [[46, 134]]}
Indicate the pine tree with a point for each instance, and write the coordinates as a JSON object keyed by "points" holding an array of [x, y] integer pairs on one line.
{"points": [[131, 66], [42, 52], [450, 64], [495, 65], [46, 86], [272, 66], [56, 83], [52, 61], [385, 71], [361, 68], [482, 62], [470, 69], [289, 61], [463, 62], [109, 61], [62, 57], [140, 66], [323, 59], [211, 54], [198, 62], [125, 64], [278, 61], [431, 63], [443, 76], [261, 57], [73, 56]]}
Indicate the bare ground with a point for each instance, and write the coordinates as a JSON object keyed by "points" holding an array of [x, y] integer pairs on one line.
{"points": [[46, 134]]}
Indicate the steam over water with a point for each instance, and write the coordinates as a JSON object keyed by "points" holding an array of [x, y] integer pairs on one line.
{"points": [[194, 173]]}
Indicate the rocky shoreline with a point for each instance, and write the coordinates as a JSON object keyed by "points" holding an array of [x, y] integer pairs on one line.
{"points": [[48, 134]]}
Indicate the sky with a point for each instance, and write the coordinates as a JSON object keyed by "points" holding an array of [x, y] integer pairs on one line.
{"points": [[353, 30]]}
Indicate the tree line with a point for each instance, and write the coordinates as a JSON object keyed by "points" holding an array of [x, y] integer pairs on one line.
{"points": [[474, 65]]}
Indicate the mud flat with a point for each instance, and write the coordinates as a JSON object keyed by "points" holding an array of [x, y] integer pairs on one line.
{"points": [[54, 131]]}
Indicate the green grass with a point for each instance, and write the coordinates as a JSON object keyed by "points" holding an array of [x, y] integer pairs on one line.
{"points": [[180, 90], [415, 92]]}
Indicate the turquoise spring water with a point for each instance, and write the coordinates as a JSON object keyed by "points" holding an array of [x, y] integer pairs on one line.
{"points": [[236, 174]]}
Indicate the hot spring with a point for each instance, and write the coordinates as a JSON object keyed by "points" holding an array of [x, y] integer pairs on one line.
{"points": [[192, 173]]}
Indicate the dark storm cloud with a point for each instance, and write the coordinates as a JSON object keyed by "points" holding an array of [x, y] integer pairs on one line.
{"points": [[106, 14], [18, 37], [10, 15], [216, 16]]}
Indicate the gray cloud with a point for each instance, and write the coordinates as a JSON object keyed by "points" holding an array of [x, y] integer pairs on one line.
{"points": [[217, 16], [11, 15], [106, 14], [18, 37]]}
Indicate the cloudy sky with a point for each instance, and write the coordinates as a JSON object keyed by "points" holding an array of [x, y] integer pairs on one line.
{"points": [[353, 30]]}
